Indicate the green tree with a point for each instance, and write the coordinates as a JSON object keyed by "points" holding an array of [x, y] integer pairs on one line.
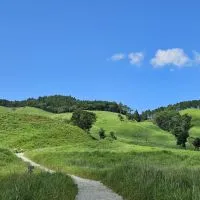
{"points": [[167, 120], [83, 119], [181, 130], [136, 116]]}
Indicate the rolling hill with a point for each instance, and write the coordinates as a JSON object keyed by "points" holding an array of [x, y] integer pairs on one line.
{"points": [[19, 128], [144, 133], [142, 152]]}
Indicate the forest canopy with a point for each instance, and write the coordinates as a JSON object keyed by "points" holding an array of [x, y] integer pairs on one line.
{"points": [[62, 104]]}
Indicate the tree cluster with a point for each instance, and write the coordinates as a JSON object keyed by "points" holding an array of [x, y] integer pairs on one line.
{"points": [[134, 116], [61, 104], [175, 123], [149, 114]]}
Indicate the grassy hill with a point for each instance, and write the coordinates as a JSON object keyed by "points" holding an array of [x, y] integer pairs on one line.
{"points": [[141, 157], [29, 128], [20, 129], [33, 121], [143, 133]]}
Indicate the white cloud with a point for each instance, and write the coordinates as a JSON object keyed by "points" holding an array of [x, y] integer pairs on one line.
{"points": [[117, 57], [176, 57], [136, 58]]}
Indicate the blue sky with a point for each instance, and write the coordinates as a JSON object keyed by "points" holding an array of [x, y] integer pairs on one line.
{"points": [[142, 53]]}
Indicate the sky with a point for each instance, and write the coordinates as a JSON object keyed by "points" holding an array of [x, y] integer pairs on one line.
{"points": [[142, 53]]}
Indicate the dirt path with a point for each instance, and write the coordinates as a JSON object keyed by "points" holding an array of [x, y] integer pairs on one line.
{"points": [[87, 189]]}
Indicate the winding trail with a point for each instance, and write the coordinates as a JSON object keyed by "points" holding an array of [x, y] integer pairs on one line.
{"points": [[87, 189]]}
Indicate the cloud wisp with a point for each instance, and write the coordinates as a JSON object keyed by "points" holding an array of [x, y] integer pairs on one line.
{"points": [[117, 57], [136, 58]]}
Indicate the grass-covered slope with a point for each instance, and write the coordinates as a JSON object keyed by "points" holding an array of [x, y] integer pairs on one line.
{"points": [[29, 127], [16, 183], [144, 133], [9, 163], [140, 158], [25, 110], [27, 131]]}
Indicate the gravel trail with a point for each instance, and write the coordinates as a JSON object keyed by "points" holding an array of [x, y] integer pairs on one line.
{"points": [[87, 189]]}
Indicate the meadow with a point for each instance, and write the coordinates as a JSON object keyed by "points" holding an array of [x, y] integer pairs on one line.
{"points": [[144, 162]]}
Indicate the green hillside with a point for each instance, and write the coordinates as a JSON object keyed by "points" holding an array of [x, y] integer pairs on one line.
{"points": [[144, 133], [141, 152], [27, 131]]}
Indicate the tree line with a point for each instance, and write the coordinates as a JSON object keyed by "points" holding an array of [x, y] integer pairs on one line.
{"points": [[62, 104], [149, 114]]}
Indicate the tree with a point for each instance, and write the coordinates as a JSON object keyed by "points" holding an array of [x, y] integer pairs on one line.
{"points": [[120, 107], [183, 132], [136, 116], [144, 116], [83, 119], [196, 143], [102, 133]]}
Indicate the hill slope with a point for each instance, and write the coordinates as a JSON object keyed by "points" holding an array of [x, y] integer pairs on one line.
{"points": [[18, 130], [143, 133], [27, 126], [136, 158]]}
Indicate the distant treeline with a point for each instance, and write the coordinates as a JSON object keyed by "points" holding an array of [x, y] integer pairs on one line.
{"points": [[177, 107], [61, 104]]}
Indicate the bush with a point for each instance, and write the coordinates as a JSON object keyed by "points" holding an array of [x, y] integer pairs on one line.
{"points": [[120, 117], [196, 143], [112, 135], [102, 133]]}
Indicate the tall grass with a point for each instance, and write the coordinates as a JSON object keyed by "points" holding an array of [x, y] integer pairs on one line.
{"points": [[136, 175], [42, 186], [146, 182]]}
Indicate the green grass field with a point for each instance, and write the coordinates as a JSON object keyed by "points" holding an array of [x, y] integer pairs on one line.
{"points": [[16, 183], [144, 158]]}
